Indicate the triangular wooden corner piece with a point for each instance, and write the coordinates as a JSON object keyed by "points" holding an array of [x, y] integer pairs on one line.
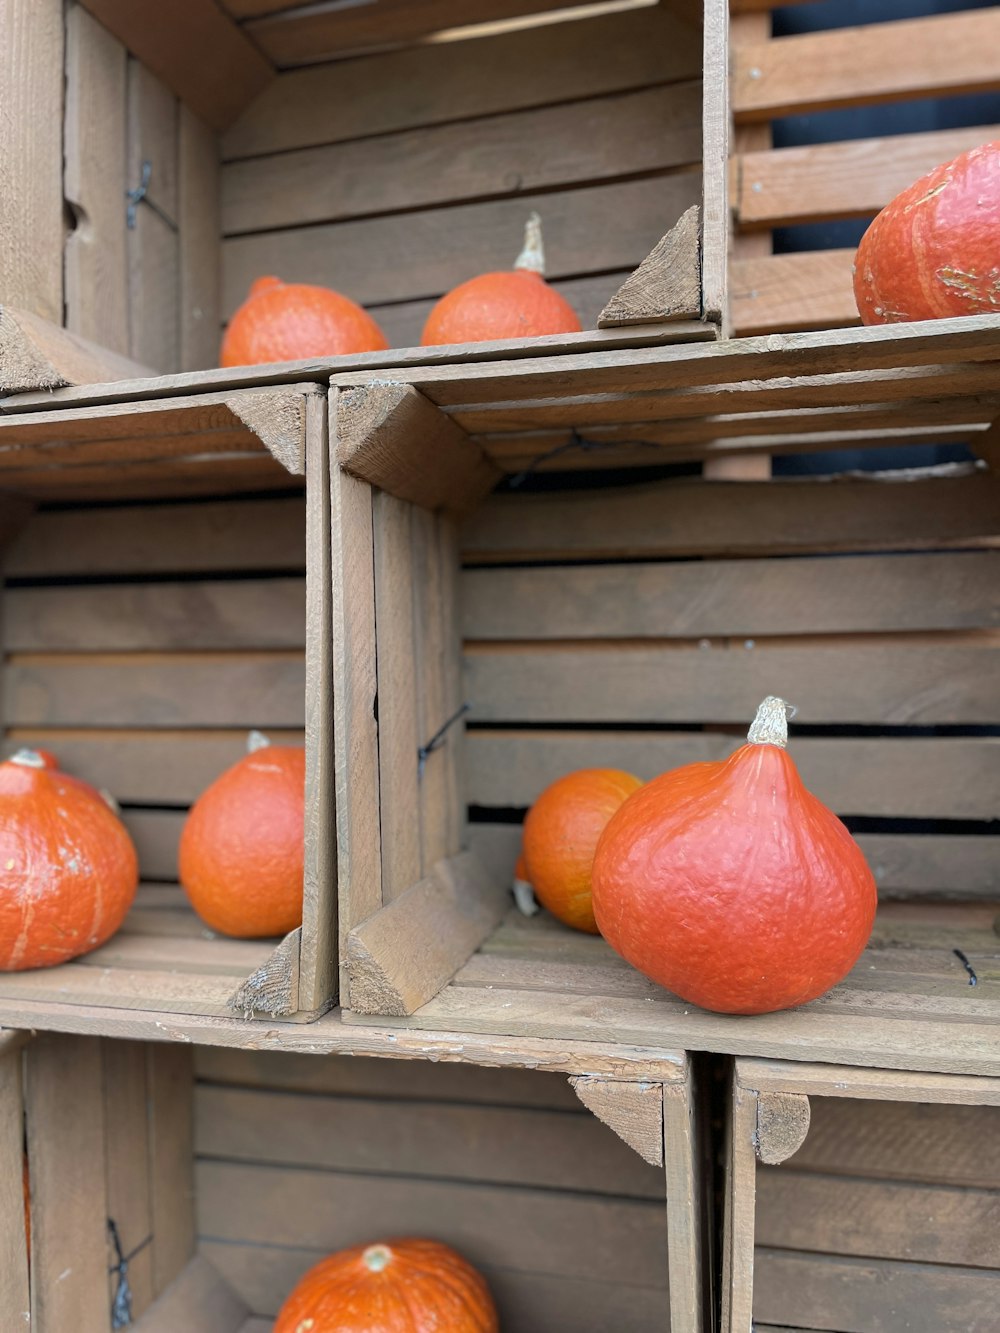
{"points": [[782, 1125], [633, 1110], [35, 354], [274, 988], [278, 419], [666, 285]]}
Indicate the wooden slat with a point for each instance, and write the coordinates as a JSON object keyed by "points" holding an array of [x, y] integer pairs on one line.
{"points": [[430, 83], [127, 1149], [716, 219], [841, 180], [410, 255], [152, 242], [200, 228], [935, 56], [186, 44], [867, 1084], [169, 1081], [31, 157], [14, 1293], [96, 265], [432, 678], [810, 290]]}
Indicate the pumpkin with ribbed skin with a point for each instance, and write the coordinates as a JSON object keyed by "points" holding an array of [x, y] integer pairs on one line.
{"points": [[934, 251], [68, 869], [399, 1286], [561, 832], [733, 886], [241, 850], [290, 321], [515, 304]]}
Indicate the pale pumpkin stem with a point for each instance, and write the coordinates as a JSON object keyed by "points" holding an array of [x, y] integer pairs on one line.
{"points": [[532, 257], [28, 759], [256, 741], [524, 897], [770, 726], [376, 1257]]}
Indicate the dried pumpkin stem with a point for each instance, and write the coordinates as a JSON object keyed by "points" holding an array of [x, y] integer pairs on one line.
{"points": [[28, 759], [532, 257], [376, 1258], [770, 726]]}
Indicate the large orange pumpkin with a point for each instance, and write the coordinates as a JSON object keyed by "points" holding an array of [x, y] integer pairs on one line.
{"points": [[241, 850], [515, 304], [934, 251], [290, 321], [560, 836], [399, 1286], [732, 885], [68, 869]]}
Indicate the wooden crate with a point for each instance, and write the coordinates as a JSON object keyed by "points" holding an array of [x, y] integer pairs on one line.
{"points": [[139, 651], [885, 1216], [228, 1174], [641, 627]]}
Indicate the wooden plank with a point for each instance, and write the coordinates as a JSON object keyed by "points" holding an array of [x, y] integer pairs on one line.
{"points": [[692, 518], [185, 44], [842, 180], [684, 1165], [66, 1157], [169, 1081], [400, 256], [654, 129], [35, 354], [934, 56], [434, 706], [95, 130], [127, 1150], [31, 157], [430, 83], [667, 284], [513, 1146], [739, 1213], [198, 1300], [152, 690], [880, 1085], [200, 228], [14, 1294], [633, 1110], [809, 290], [153, 271], [715, 183]]}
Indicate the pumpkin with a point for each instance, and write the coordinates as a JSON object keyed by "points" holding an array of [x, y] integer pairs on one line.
{"points": [[398, 1286], [515, 304], [68, 869], [934, 252], [289, 321], [732, 885], [241, 849], [560, 836]]}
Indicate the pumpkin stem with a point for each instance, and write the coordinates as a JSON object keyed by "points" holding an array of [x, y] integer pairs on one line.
{"points": [[376, 1257], [532, 257], [524, 897], [770, 726], [256, 741], [28, 759]]}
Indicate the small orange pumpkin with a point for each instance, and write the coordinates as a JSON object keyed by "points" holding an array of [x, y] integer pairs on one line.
{"points": [[68, 869], [395, 1286], [290, 321], [516, 304]]}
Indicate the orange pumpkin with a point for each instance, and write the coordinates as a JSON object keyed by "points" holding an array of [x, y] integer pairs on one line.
{"points": [[241, 848], [68, 869], [732, 885], [516, 304], [399, 1286], [561, 833], [290, 321]]}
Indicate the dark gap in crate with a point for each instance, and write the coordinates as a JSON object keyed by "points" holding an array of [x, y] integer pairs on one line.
{"points": [[829, 14], [507, 725], [158, 502], [168, 807], [848, 730], [603, 480], [496, 814], [896, 458], [185, 576], [976, 828], [655, 558]]}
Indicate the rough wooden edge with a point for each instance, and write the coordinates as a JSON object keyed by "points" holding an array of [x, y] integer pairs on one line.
{"points": [[782, 1125], [716, 222], [273, 989], [394, 438], [687, 1207], [36, 355], [633, 1110], [861, 1084], [403, 955], [278, 419], [667, 284], [199, 1300]]}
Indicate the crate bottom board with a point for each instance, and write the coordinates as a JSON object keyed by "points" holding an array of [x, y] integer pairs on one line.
{"points": [[163, 959], [908, 1003]]}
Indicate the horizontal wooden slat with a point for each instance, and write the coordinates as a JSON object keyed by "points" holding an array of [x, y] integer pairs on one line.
{"points": [[858, 681], [654, 129], [252, 614], [747, 597], [167, 477], [148, 690], [485, 1144], [425, 253], [697, 518], [809, 290], [436, 82], [934, 56], [156, 834], [921, 778], [841, 180]]}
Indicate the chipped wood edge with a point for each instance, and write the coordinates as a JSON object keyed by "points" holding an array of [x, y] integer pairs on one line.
{"points": [[273, 990], [782, 1125], [633, 1110], [36, 355], [278, 419], [666, 285]]}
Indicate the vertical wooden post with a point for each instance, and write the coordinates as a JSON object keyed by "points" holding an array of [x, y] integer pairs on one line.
{"points": [[200, 239], [685, 1256], [715, 223], [14, 1298]]}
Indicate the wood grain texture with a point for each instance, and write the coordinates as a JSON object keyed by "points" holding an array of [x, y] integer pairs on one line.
{"points": [[35, 354], [273, 988], [127, 1153], [198, 218], [684, 1160], [633, 1110], [31, 157], [169, 1083], [667, 284], [867, 1084], [198, 1300], [738, 1273], [14, 1292], [152, 243], [809, 290], [278, 418], [782, 1125], [716, 114]]}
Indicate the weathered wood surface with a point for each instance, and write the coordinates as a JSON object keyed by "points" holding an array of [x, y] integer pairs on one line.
{"points": [[666, 285], [35, 354], [633, 1110], [200, 1301], [14, 1289]]}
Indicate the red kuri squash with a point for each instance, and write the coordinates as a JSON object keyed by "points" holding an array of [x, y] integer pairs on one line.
{"points": [[68, 869], [934, 251], [399, 1286], [732, 885], [289, 321]]}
